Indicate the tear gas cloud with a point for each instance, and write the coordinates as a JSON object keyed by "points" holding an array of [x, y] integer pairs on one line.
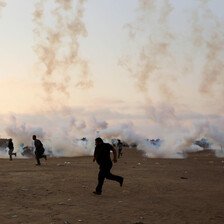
{"points": [[162, 62], [62, 136], [57, 47], [159, 56], [165, 51]]}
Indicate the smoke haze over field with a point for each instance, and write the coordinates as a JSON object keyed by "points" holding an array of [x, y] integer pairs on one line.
{"points": [[133, 70]]}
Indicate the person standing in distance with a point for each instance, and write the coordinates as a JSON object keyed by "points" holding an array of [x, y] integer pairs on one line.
{"points": [[119, 145], [102, 157], [11, 148], [39, 150]]}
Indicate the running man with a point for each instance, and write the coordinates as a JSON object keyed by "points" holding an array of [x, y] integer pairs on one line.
{"points": [[39, 150], [102, 157]]}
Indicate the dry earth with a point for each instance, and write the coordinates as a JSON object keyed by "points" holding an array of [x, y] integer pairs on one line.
{"points": [[189, 191]]}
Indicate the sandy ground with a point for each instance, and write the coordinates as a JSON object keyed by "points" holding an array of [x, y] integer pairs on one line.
{"points": [[155, 191]]}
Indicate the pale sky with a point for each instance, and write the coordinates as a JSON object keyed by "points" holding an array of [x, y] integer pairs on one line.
{"points": [[119, 61]]}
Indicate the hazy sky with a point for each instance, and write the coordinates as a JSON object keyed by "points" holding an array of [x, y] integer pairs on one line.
{"points": [[151, 63]]}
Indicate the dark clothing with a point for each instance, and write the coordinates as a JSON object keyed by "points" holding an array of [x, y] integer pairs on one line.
{"points": [[38, 145], [39, 152], [38, 156], [11, 148], [119, 145], [105, 173], [10, 145], [102, 155]]}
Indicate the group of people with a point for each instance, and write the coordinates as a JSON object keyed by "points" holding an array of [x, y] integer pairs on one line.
{"points": [[101, 156], [39, 150]]}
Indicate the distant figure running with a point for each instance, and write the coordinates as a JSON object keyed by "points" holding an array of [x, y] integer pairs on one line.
{"points": [[11, 148], [119, 145], [39, 150], [102, 156]]}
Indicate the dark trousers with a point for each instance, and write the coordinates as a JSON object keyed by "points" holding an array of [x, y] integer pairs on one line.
{"points": [[105, 173], [119, 153], [39, 154], [11, 153]]}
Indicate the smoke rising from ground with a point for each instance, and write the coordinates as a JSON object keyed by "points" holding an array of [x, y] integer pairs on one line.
{"points": [[61, 133], [164, 58]]}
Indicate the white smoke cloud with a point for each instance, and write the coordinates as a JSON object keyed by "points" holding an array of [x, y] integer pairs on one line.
{"points": [[59, 139], [61, 133], [161, 114], [159, 63], [58, 51], [21, 132], [98, 124]]}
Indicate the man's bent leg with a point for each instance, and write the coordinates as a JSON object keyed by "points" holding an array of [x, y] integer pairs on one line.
{"points": [[101, 177], [111, 176]]}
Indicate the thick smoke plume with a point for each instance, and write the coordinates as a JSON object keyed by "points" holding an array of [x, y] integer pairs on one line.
{"points": [[59, 138], [164, 59], [63, 134], [159, 61], [21, 132], [208, 33], [57, 46]]}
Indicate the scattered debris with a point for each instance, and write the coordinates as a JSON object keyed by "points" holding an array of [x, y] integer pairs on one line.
{"points": [[24, 189], [14, 216], [61, 203], [183, 178]]}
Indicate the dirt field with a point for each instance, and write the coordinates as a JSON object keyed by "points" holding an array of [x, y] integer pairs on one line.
{"points": [[177, 191]]}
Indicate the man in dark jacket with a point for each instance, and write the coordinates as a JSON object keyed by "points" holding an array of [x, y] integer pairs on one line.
{"points": [[11, 148], [102, 157], [39, 150]]}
